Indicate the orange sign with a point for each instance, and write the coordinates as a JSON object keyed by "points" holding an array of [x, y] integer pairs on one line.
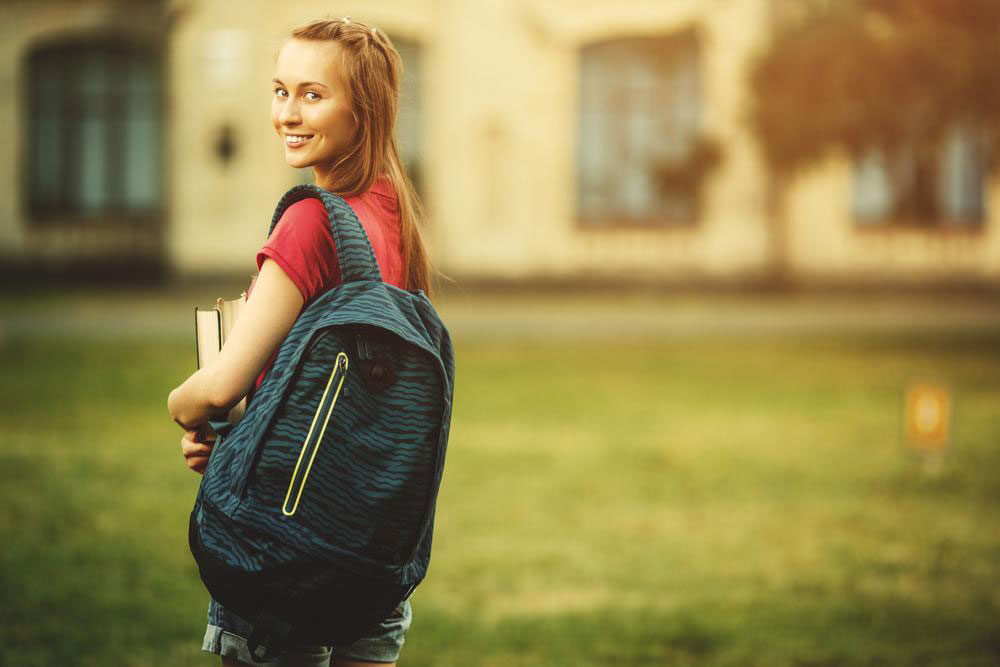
{"points": [[927, 417]]}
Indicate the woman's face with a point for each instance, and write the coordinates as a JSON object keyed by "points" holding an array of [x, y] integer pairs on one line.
{"points": [[310, 108]]}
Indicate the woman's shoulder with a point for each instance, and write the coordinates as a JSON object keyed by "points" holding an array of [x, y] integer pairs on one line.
{"points": [[310, 207], [304, 216], [376, 208], [381, 192]]}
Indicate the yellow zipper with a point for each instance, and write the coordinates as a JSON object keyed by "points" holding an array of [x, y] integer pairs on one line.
{"points": [[311, 445]]}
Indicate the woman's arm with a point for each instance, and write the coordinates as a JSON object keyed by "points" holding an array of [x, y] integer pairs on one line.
{"points": [[264, 322]]}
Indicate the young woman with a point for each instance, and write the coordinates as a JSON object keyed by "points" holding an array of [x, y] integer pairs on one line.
{"points": [[334, 108]]}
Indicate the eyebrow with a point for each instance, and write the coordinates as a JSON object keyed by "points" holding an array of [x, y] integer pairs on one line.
{"points": [[303, 84]]}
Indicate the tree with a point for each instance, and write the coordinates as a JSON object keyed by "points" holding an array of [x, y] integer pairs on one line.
{"points": [[862, 74]]}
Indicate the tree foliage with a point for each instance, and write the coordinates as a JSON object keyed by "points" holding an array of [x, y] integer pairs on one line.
{"points": [[862, 74]]}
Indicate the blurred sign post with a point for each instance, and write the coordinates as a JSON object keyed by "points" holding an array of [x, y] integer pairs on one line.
{"points": [[927, 419]]}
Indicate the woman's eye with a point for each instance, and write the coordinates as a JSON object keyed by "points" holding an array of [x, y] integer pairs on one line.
{"points": [[279, 91]]}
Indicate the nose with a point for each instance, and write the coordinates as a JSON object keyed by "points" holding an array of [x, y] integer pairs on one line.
{"points": [[289, 113]]}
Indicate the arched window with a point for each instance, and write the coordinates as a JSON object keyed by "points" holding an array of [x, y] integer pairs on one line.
{"points": [[640, 104], [94, 137]]}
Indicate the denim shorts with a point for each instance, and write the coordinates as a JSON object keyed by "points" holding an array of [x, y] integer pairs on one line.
{"points": [[227, 633]]}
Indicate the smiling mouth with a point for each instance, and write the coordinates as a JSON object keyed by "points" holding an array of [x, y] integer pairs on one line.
{"points": [[294, 141]]}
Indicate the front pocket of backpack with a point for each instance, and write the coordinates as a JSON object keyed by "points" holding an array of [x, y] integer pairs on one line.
{"points": [[310, 446]]}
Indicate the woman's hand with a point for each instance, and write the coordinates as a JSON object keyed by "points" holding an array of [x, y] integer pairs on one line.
{"points": [[196, 453]]}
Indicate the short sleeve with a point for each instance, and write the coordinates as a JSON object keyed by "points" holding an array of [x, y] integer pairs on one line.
{"points": [[303, 247]]}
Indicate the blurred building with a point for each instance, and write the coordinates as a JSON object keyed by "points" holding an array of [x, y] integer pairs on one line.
{"points": [[551, 139]]}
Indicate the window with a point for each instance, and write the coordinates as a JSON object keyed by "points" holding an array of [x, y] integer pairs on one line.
{"points": [[639, 119], [94, 137], [941, 185]]}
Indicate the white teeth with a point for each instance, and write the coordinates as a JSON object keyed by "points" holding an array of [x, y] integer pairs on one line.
{"points": [[297, 140]]}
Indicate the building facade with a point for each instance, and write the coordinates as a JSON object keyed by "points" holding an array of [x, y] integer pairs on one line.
{"points": [[550, 139]]}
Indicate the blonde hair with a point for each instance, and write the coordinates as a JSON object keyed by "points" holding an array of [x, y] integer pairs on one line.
{"points": [[373, 68]]}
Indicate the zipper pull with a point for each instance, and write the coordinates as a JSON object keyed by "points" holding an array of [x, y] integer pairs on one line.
{"points": [[342, 362]]}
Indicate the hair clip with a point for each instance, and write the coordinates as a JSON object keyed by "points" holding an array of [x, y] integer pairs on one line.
{"points": [[345, 19]]}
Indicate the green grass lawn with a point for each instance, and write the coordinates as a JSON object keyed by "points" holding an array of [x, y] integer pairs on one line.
{"points": [[690, 501]]}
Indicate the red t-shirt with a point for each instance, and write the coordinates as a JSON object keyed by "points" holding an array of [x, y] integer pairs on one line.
{"points": [[303, 246]]}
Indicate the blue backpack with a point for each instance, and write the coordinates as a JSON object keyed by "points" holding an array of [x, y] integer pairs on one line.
{"points": [[314, 517]]}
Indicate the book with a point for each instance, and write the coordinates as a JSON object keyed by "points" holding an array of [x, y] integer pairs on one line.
{"points": [[211, 327]]}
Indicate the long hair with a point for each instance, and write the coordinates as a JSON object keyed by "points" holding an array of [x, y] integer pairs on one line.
{"points": [[373, 68]]}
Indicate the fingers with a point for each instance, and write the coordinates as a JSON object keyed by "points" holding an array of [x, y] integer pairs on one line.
{"points": [[196, 454], [198, 463], [191, 448]]}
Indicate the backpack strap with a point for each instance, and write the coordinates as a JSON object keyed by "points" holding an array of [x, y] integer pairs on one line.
{"points": [[354, 251]]}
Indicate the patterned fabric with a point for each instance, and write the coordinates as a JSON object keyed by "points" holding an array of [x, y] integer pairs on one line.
{"points": [[302, 245], [315, 513]]}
